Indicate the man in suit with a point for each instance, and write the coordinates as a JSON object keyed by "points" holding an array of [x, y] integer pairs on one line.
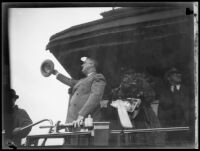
{"points": [[173, 110], [86, 93]]}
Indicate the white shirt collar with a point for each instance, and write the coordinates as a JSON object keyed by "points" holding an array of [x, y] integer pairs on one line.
{"points": [[178, 86]]}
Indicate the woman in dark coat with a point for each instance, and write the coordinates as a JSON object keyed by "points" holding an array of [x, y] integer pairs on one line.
{"points": [[136, 85]]}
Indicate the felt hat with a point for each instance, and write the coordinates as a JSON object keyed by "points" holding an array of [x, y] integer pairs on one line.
{"points": [[47, 67], [172, 71]]}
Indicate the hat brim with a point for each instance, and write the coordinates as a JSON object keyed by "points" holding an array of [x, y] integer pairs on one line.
{"points": [[47, 68], [16, 96]]}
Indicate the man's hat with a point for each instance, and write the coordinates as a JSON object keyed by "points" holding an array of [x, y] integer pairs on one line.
{"points": [[172, 71], [47, 67], [13, 94]]}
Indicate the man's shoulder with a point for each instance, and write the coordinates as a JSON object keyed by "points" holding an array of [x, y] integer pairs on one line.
{"points": [[20, 110]]}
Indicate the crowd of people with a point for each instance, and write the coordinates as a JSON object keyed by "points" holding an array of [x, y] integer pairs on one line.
{"points": [[87, 98], [172, 110]]}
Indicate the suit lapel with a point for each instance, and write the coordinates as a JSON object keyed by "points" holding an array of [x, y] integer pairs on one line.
{"points": [[82, 81], [77, 85]]}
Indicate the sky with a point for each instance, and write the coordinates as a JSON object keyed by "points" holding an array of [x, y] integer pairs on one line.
{"points": [[29, 33]]}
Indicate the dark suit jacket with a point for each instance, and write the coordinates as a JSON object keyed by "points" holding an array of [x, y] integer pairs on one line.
{"points": [[173, 108], [86, 96]]}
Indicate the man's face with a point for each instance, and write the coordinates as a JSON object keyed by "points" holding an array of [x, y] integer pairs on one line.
{"points": [[128, 82], [87, 64], [175, 78]]}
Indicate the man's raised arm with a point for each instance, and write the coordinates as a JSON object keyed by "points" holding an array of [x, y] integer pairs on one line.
{"points": [[64, 79]]}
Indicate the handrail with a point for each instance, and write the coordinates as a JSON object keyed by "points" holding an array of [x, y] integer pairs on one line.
{"points": [[133, 130], [123, 131], [151, 130], [31, 125], [61, 125]]}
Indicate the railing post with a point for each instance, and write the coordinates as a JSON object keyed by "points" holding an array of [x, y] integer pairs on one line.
{"points": [[101, 133]]}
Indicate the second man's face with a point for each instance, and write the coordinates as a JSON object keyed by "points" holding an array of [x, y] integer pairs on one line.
{"points": [[175, 78]]}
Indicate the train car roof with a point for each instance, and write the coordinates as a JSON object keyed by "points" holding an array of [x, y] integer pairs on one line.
{"points": [[147, 38]]}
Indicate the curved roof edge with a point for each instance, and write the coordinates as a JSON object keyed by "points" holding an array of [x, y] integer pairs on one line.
{"points": [[156, 14], [119, 13]]}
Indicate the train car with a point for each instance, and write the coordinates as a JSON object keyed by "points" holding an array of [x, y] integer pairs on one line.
{"points": [[150, 38]]}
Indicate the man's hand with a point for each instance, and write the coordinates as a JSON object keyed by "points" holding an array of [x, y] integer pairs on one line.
{"points": [[16, 131], [54, 72], [79, 121]]}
